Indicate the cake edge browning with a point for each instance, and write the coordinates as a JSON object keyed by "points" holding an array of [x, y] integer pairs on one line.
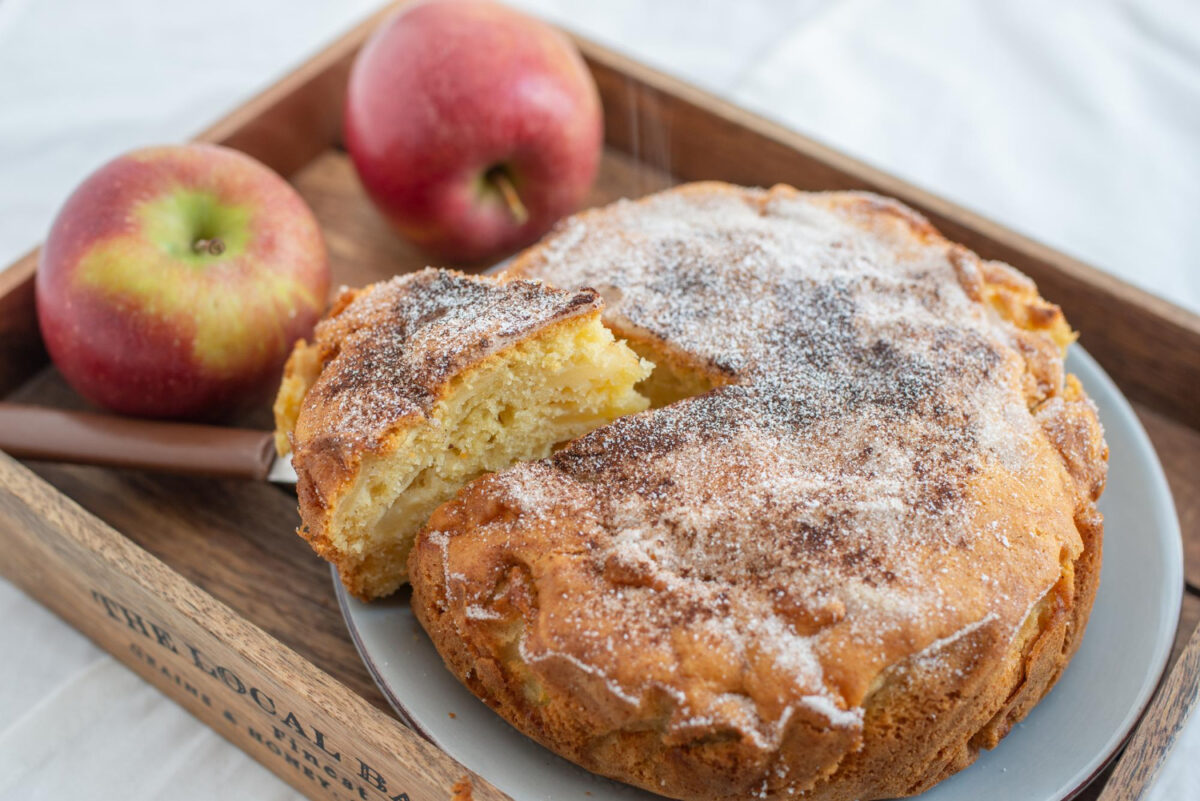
{"points": [[1001, 676]]}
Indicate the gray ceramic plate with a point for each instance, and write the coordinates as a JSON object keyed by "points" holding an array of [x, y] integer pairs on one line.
{"points": [[1063, 743]]}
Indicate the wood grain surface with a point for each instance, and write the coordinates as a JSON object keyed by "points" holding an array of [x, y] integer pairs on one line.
{"points": [[217, 561], [21, 351], [1178, 449], [1138, 767], [311, 729], [1189, 618]]}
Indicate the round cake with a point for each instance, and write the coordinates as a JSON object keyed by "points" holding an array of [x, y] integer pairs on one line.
{"points": [[853, 541]]}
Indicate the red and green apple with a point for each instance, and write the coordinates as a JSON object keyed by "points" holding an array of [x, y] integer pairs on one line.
{"points": [[175, 279], [472, 127]]}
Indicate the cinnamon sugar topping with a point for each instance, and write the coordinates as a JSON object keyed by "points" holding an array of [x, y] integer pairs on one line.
{"points": [[848, 501], [398, 342]]}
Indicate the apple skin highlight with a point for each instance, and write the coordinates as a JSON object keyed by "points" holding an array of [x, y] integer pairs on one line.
{"points": [[174, 281], [449, 96]]}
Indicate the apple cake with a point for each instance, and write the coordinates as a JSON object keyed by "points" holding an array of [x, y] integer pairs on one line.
{"points": [[413, 387], [853, 541]]}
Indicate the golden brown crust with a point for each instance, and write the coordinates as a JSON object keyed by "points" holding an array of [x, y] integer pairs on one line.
{"points": [[379, 361], [860, 559]]}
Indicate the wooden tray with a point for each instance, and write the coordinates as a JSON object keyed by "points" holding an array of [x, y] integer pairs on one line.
{"points": [[202, 587]]}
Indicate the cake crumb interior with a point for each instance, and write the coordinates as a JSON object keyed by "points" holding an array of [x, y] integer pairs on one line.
{"points": [[517, 406]]}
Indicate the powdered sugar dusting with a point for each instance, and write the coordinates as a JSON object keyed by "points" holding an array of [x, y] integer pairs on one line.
{"points": [[393, 345], [931, 652], [811, 522], [837, 717], [477, 612], [532, 657]]}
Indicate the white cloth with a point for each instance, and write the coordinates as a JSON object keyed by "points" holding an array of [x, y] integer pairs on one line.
{"points": [[1075, 122]]}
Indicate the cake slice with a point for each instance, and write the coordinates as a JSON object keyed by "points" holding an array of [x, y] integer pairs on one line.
{"points": [[414, 386]]}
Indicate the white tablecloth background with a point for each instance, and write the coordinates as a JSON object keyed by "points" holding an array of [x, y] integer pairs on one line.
{"points": [[1075, 122]]}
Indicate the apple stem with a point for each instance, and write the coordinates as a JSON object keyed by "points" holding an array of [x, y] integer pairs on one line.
{"points": [[213, 247], [504, 185]]}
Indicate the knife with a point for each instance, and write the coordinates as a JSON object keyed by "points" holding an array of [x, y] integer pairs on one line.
{"points": [[56, 435]]}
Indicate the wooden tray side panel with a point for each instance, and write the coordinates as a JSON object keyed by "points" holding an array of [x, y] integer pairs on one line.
{"points": [[21, 351], [299, 722], [1150, 346]]}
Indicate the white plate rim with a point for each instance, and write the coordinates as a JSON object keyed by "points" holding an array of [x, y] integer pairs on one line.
{"points": [[1097, 383]]}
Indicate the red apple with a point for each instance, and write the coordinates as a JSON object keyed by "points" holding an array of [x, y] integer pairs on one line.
{"points": [[473, 127], [175, 280]]}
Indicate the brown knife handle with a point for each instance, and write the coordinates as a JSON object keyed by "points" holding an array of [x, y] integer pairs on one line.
{"points": [[34, 432]]}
